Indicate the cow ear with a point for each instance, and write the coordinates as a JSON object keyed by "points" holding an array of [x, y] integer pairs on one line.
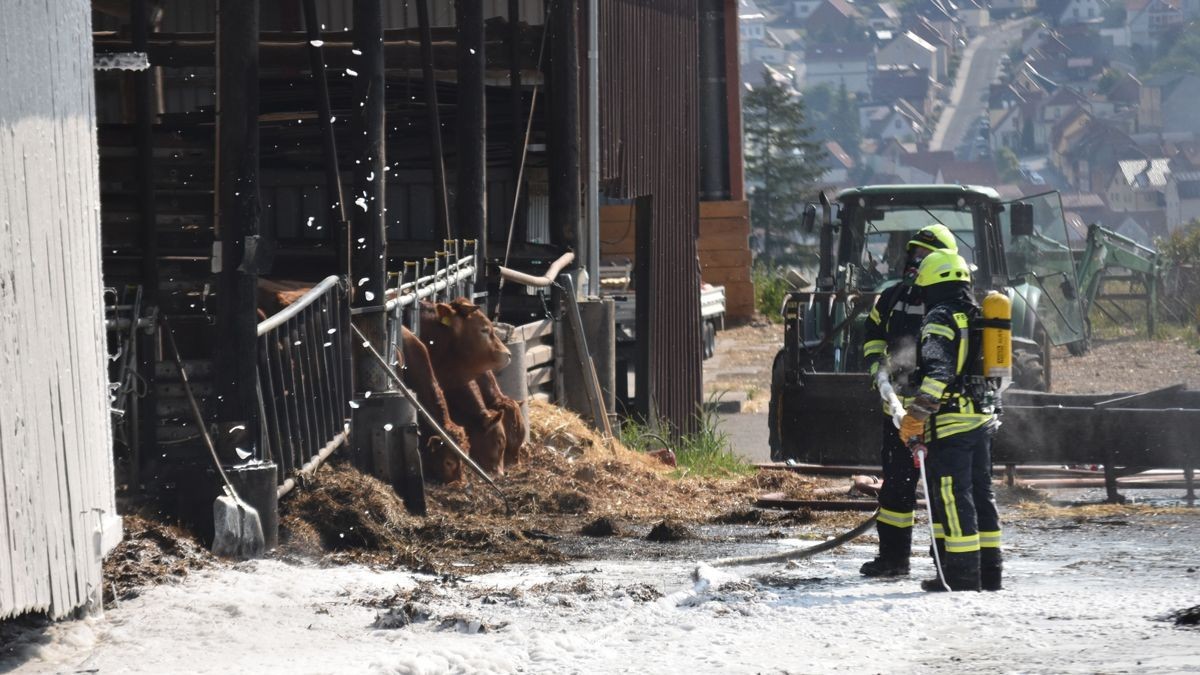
{"points": [[444, 313], [465, 307]]}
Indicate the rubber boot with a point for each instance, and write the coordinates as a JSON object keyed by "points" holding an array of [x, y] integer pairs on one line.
{"points": [[895, 547], [961, 573], [991, 566]]}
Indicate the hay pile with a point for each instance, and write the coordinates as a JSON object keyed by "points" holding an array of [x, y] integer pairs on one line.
{"points": [[151, 553], [568, 477]]}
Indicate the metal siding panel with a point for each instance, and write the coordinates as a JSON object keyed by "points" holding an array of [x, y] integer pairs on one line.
{"points": [[55, 442], [648, 92]]}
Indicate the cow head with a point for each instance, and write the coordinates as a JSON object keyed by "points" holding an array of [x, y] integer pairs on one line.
{"points": [[475, 344], [488, 442], [442, 463]]}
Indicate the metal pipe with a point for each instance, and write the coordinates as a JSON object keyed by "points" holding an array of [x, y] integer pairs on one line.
{"points": [[593, 147], [441, 202], [563, 134], [312, 464], [289, 312], [552, 273], [713, 163], [333, 178], [515, 110]]}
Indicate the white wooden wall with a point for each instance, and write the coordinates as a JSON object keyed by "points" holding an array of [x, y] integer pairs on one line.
{"points": [[57, 511]]}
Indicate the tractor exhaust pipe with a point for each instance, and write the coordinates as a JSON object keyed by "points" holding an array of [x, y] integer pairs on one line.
{"points": [[825, 271]]}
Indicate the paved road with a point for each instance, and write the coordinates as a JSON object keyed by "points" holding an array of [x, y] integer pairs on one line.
{"points": [[748, 435], [968, 99]]}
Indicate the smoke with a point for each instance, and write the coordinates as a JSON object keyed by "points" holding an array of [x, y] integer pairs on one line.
{"points": [[902, 357]]}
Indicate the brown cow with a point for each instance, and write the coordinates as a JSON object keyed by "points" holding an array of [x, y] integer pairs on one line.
{"points": [[464, 348], [462, 342], [515, 428], [485, 427], [439, 461]]}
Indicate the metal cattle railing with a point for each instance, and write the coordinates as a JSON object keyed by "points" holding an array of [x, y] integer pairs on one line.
{"points": [[304, 372], [449, 274]]}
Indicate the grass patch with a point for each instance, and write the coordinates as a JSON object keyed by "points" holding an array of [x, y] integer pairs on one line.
{"points": [[705, 453]]}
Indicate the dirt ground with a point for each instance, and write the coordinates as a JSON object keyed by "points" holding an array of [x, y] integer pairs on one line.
{"points": [[742, 361]]}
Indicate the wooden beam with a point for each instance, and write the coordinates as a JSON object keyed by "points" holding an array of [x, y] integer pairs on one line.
{"points": [[237, 213], [369, 240]]}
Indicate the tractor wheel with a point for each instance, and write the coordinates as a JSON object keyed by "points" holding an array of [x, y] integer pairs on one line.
{"points": [[775, 404], [1028, 371]]}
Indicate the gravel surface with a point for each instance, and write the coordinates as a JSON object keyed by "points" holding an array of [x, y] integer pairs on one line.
{"points": [[1127, 365]]}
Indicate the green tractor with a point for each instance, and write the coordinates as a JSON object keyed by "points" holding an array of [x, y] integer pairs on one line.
{"points": [[823, 409]]}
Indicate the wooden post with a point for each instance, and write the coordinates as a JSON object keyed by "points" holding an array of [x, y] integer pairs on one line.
{"points": [[369, 241], [643, 374], [471, 196], [145, 442], [238, 211], [563, 134], [340, 232], [437, 156]]}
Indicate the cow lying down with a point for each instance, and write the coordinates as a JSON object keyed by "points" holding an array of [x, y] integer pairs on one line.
{"points": [[450, 370]]}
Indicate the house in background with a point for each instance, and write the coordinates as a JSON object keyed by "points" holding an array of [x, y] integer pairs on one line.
{"points": [[1183, 199], [975, 15], [835, 20], [1139, 185], [802, 9], [884, 16], [752, 27], [908, 49], [1169, 104], [905, 84], [1147, 21], [835, 64], [925, 30], [838, 165]]}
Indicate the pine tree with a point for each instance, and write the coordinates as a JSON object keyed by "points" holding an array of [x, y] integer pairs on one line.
{"points": [[782, 160]]}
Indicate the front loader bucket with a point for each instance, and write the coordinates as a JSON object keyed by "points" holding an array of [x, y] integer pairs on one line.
{"points": [[831, 418]]}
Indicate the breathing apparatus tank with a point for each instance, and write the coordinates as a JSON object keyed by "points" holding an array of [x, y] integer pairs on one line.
{"points": [[997, 336]]}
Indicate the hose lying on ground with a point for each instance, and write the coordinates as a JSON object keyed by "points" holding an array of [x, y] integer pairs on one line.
{"points": [[799, 553]]}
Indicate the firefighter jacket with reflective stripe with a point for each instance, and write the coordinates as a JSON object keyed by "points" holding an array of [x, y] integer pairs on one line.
{"points": [[891, 335], [945, 358]]}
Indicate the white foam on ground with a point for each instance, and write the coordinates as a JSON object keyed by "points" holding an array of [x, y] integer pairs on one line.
{"points": [[1085, 608]]}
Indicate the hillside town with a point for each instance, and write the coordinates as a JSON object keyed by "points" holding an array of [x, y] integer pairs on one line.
{"points": [[1081, 96]]}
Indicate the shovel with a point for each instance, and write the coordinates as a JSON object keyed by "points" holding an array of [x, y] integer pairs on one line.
{"points": [[238, 531]]}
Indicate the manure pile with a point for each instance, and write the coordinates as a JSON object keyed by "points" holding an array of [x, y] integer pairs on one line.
{"points": [[569, 477]]}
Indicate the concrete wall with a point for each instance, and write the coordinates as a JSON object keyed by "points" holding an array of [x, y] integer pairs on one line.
{"points": [[57, 511], [724, 248]]}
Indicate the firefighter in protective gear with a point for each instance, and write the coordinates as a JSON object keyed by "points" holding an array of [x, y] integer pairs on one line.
{"points": [[890, 349], [955, 409]]}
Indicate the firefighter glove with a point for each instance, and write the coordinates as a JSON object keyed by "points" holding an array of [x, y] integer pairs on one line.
{"points": [[910, 428]]}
